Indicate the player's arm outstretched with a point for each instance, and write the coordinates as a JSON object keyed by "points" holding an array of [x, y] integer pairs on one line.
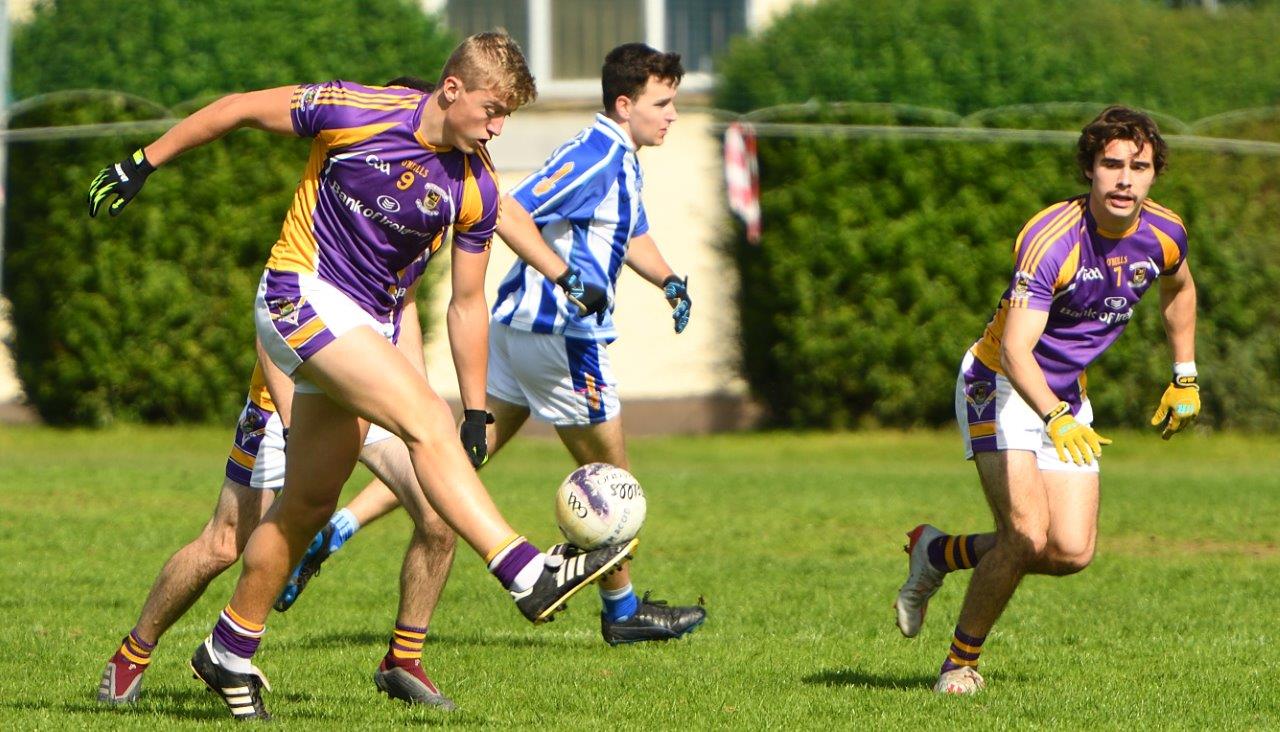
{"points": [[643, 257], [267, 109], [1180, 404], [518, 229], [1073, 440]]}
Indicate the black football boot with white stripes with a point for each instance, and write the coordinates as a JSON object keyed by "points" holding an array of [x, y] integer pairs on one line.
{"points": [[567, 570], [241, 692]]}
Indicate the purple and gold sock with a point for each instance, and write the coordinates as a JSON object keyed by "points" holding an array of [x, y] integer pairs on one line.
{"points": [[965, 650], [236, 639], [511, 562], [406, 642], [949, 552], [136, 650]]}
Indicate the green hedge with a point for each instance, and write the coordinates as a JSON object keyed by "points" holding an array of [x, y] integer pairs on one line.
{"points": [[148, 316], [882, 259]]}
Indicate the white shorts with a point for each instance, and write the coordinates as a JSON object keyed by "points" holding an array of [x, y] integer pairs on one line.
{"points": [[993, 416], [566, 381], [296, 315], [257, 453]]}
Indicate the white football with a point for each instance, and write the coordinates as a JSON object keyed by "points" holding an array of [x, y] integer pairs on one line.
{"points": [[600, 505]]}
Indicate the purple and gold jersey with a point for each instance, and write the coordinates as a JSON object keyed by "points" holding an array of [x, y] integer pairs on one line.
{"points": [[1088, 280], [376, 199]]}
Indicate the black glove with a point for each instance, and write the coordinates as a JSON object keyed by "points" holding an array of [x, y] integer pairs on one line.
{"points": [[677, 292], [588, 297], [124, 180], [475, 440]]}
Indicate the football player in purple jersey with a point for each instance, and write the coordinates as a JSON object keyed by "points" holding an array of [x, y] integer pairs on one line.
{"points": [[1080, 267], [393, 175]]}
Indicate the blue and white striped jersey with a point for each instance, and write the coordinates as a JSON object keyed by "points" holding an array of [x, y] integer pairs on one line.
{"points": [[586, 201]]}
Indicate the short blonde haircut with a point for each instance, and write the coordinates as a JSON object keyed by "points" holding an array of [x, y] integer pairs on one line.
{"points": [[493, 61]]}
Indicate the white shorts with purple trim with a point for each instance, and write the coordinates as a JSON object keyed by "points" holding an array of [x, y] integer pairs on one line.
{"points": [[257, 452], [566, 381], [296, 315], [993, 416]]}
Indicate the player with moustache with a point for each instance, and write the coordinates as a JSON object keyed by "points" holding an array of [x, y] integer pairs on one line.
{"points": [[1080, 267]]}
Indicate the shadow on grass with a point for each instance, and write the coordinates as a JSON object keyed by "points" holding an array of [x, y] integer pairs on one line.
{"points": [[854, 677], [124, 711], [497, 638], [316, 641], [197, 705]]}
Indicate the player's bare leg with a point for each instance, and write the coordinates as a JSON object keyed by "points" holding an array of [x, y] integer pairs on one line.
{"points": [[365, 377], [1073, 522], [395, 484], [1015, 492], [187, 574], [423, 574], [181, 582], [324, 442]]}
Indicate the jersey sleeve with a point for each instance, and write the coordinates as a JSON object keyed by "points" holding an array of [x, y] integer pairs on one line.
{"points": [[478, 214], [1046, 256], [642, 222], [339, 104], [1173, 245], [571, 180]]}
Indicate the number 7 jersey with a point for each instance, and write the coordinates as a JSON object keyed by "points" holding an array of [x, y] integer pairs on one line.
{"points": [[1087, 279]]}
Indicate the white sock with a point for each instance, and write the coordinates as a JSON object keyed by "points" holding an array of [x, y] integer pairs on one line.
{"points": [[229, 660], [617, 594], [345, 523], [529, 575]]}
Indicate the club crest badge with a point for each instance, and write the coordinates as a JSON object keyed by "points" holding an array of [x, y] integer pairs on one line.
{"points": [[1139, 275], [309, 98], [979, 395], [253, 424], [1021, 284], [285, 310], [430, 202]]}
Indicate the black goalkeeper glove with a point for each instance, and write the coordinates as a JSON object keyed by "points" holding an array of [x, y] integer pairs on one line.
{"points": [[588, 297], [475, 438], [677, 293], [124, 180]]}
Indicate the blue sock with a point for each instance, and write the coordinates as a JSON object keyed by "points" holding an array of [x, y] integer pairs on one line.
{"points": [[345, 525], [619, 604]]}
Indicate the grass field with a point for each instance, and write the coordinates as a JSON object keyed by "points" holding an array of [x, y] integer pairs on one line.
{"points": [[793, 539]]}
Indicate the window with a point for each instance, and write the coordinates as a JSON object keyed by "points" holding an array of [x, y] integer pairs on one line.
{"points": [[475, 16], [700, 29], [566, 40], [583, 31]]}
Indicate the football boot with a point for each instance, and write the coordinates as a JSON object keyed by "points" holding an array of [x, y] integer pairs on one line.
{"points": [[653, 620], [923, 580], [242, 692], [568, 569]]}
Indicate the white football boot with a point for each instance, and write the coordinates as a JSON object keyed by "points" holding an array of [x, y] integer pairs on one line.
{"points": [[963, 681], [922, 580]]}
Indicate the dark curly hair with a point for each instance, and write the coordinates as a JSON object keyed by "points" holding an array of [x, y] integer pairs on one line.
{"points": [[1119, 123]]}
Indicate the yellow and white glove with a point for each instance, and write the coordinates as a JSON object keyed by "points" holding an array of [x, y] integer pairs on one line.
{"points": [[1071, 437], [1180, 404]]}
